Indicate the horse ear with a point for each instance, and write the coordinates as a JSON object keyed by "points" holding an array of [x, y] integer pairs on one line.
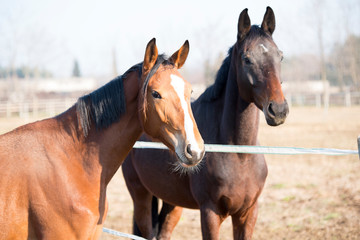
{"points": [[268, 24], [244, 24], [151, 54], [179, 57]]}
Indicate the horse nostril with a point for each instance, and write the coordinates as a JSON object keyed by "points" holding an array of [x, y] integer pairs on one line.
{"points": [[271, 110], [188, 150]]}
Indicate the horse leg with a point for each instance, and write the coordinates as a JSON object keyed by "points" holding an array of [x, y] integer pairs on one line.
{"points": [[210, 223], [142, 200], [169, 217], [142, 213], [243, 226]]}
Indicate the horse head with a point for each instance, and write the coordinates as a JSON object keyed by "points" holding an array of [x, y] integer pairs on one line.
{"points": [[257, 62], [166, 113]]}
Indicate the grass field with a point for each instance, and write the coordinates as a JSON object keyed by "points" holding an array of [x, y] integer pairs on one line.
{"points": [[305, 196]]}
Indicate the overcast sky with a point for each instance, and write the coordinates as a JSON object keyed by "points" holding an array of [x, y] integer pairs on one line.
{"points": [[52, 33]]}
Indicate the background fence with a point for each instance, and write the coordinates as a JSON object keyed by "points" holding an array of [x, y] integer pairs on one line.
{"points": [[49, 107], [35, 108], [347, 99]]}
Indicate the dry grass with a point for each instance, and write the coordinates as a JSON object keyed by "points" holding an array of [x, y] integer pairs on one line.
{"points": [[305, 196], [310, 196]]}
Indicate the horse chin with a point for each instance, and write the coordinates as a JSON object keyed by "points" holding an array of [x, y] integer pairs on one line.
{"points": [[182, 166], [274, 121]]}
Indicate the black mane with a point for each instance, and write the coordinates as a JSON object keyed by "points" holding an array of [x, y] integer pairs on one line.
{"points": [[105, 105], [214, 91]]}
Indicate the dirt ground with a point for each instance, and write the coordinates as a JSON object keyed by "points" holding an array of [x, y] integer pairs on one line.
{"points": [[305, 196]]}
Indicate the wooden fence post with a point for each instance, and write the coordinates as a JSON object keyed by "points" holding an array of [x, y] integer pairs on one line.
{"points": [[359, 145], [35, 107], [318, 100], [8, 109], [347, 98]]}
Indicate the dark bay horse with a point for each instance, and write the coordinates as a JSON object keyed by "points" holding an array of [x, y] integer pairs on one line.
{"points": [[54, 172], [227, 184]]}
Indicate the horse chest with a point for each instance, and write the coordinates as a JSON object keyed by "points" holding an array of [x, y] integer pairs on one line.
{"points": [[235, 182], [228, 169]]}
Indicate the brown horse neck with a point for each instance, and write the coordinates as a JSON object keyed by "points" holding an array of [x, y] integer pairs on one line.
{"points": [[240, 119], [103, 150]]}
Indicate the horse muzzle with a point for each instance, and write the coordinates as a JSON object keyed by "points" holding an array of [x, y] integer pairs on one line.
{"points": [[190, 155], [276, 113]]}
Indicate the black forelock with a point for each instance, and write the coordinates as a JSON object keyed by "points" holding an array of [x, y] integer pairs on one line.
{"points": [[161, 60], [255, 32]]}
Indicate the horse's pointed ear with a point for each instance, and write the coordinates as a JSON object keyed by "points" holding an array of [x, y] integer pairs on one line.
{"points": [[151, 54], [179, 57], [268, 24], [244, 24]]}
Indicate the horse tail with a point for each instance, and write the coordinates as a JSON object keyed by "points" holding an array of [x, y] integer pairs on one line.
{"points": [[154, 218]]}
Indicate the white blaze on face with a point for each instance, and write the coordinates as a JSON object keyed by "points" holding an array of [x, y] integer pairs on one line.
{"points": [[264, 48], [179, 85]]}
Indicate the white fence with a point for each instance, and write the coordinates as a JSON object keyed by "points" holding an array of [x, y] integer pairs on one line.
{"points": [[35, 108], [50, 107], [347, 99], [258, 149]]}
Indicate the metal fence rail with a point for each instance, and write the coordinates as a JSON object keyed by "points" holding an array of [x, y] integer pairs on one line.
{"points": [[121, 234], [257, 149], [243, 149]]}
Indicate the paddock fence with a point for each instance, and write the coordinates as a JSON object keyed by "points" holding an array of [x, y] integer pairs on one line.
{"points": [[35, 108], [259, 149], [49, 107], [243, 149], [346, 99]]}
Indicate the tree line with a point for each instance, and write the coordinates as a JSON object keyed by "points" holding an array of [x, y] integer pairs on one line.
{"points": [[342, 65], [33, 72]]}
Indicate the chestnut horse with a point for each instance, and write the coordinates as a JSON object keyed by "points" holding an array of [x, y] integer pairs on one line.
{"points": [[227, 184], [54, 172]]}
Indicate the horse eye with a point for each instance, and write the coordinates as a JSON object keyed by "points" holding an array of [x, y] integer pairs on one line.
{"points": [[155, 94], [247, 60]]}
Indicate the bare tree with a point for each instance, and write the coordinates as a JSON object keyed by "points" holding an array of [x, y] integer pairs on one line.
{"points": [[76, 69], [318, 10], [345, 54], [114, 64], [207, 40], [11, 38], [353, 46]]}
